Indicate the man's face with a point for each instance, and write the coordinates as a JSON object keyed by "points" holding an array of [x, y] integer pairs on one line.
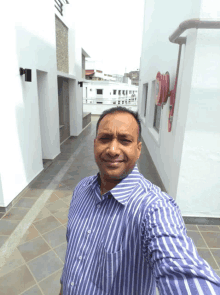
{"points": [[116, 141]]}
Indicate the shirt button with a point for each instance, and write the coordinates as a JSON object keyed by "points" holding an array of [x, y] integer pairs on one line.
{"points": [[98, 206], [80, 257], [89, 231], [72, 284]]}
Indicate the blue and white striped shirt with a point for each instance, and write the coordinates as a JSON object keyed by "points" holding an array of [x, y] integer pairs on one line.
{"points": [[129, 241]]}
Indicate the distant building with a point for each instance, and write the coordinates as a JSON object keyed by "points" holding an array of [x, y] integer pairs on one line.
{"points": [[134, 76], [99, 95]]}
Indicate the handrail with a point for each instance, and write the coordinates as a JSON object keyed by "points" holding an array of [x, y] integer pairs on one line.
{"points": [[194, 23]]}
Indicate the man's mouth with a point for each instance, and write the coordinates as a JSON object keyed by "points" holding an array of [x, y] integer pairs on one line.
{"points": [[113, 163]]}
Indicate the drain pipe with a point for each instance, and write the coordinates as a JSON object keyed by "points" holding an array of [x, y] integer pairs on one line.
{"points": [[175, 38]]}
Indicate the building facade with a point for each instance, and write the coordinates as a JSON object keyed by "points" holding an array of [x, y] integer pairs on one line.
{"points": [[101, 95], [41, 113], [187, 157]]}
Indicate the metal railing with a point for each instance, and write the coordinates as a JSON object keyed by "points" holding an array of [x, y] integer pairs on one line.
{"points": [[194, 23], [59, 5], [113, 100]]}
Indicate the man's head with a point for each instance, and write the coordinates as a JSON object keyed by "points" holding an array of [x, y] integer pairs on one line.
{"points": [[118, 135]]}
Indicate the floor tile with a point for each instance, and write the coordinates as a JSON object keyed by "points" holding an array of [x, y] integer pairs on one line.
{"points": [[33, 291], [46, 224], [206, 254], [61, 251], [197, 239], [45, 265], [14, 260], [212, 239], [33, 193], [52, 199], [55, 167], [51, 285], [191, 227], [62, 187], [216, 254], [2, 214], [56, 237], [3, 240], [67, 200], [209, 228], [62, 215], [8, 226], [40, 184], [217, 272], [30, 234], [25, 202], [63, 194], [33, 248], [56, 206], [16, 281], [16, 214], [42, 214]]}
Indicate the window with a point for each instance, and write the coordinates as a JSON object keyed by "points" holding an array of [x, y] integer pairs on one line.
{"points": [[119, 92], [123, 92], [114, 91], [157, 114], [126, 92], [99, 91], [145, 92], [129, 91]]}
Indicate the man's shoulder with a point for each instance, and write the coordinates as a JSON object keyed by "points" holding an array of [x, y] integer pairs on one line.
{"points": [[84, 182], [152, 193]]}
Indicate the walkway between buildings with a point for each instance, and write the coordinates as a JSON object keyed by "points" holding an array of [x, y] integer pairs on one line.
{"points": [[33, 231]]}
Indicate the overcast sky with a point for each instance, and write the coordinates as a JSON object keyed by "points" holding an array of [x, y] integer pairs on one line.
{"points": [[111, 32]]}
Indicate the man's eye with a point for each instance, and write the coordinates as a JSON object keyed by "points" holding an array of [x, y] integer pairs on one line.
{"points": [[122, 139]]}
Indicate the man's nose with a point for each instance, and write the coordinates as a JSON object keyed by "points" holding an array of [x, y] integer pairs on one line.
{"points": [[113, 147]]}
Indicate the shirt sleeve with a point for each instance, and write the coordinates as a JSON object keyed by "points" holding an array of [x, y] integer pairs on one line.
{"points": [[67, 234], [172, 255]]}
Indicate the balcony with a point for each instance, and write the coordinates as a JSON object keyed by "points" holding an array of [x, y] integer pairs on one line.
{"points": [[97, 105]]}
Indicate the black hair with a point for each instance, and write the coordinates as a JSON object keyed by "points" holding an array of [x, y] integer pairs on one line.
{"points": [[121, 110]]}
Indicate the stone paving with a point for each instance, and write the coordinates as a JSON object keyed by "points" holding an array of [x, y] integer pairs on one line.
{"points": [[35, 265]]}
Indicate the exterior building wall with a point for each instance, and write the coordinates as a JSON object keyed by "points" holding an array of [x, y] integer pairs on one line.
{"points": [[83, 66], [184, 156], [62, 46], [30, 109]]}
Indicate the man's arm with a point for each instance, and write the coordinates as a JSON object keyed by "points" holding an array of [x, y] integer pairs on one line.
{"points": [[172, 255]]}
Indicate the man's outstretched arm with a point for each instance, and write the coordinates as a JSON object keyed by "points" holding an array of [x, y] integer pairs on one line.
{"points": [[175, 262]]}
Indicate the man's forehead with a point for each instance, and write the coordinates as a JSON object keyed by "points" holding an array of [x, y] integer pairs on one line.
{"points": [[117, 120]]}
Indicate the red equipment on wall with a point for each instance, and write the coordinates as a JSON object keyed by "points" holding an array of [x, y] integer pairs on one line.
{"points": [[162, 93], [162, 88]]}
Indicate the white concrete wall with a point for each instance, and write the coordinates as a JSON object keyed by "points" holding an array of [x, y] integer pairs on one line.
{"points": [[199, 179], [184, 156], [30, 34]]}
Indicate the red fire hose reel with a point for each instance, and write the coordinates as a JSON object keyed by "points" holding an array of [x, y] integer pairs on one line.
{"points": [[162, 93]]}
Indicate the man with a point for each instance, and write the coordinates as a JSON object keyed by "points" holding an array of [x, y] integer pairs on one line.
{"points": [[124, 235]]}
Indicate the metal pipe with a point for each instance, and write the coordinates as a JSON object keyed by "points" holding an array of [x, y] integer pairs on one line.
{"points": [[194, 23]]}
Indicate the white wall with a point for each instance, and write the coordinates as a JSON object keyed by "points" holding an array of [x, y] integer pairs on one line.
{"points": [[31, 44], [184, 156], [199, 178]]}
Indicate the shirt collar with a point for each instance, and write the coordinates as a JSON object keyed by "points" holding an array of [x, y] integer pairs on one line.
{"points": [[122, 191]]}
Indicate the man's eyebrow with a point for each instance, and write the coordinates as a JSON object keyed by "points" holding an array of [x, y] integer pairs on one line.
{"points": [[120, 134]]}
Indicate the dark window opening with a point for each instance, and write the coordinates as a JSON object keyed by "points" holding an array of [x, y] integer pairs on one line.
{"points": [[99, 91]]}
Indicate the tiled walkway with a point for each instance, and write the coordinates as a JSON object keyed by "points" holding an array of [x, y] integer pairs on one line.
{"points": [[35, 266]]}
